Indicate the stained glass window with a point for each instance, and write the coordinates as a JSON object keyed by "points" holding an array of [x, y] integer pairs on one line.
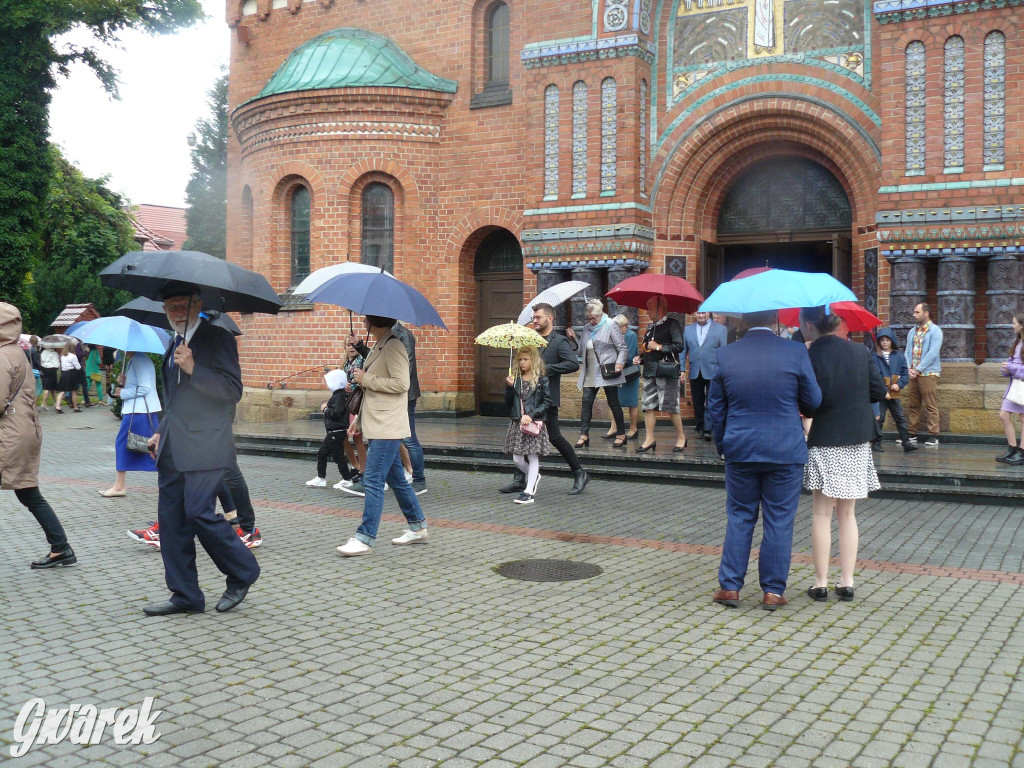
{"points": [[953, 105], [378, 235], [497, 43], [300, 234]]}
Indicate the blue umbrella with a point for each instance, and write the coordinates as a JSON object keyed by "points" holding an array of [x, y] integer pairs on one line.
{"points": [[124, 333], [776, 289], [74, 327], [378, 294]]}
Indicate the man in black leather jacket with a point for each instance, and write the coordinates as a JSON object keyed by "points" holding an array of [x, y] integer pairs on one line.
{"points": [[558, 358]]}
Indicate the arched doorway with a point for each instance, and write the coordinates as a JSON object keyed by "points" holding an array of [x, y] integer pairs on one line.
{"points": [[786, 212], [498, 269]]}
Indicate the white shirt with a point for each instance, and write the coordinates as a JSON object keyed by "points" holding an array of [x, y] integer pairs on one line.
{"points": [[70, 362], [702, 333]]}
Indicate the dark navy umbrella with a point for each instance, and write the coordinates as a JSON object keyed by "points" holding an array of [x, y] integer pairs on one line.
{"points": [[151, 312], [223, 286], [378, 294]]}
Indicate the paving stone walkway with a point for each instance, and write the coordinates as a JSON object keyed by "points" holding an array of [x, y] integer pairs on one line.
{"points": [[424, 656]]}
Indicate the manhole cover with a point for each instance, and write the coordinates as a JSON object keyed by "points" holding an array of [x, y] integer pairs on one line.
{"points": [[547, 570]]}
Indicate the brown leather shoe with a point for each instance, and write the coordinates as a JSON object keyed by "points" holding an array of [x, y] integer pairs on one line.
{"points": [[772, 601], [727, 597]]}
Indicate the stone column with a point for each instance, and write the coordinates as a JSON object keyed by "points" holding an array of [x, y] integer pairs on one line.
{"points": [[592, 276], [546, 278], [1005, 298], [956, 307], [615, 276], [906, 290]]}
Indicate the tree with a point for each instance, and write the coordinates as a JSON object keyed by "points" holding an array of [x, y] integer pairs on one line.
{"points": [[206, 194], [84, 228], [29, 61]]}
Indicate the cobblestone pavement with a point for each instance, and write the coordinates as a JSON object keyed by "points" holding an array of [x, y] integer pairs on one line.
{"points": [[423, 656]]}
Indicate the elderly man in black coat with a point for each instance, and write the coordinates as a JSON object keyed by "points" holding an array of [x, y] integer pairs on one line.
{"points": [[558, 358]]}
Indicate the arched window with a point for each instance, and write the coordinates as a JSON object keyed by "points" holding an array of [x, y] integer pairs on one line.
{"points": [[953, 105], [579, 139], [378, 235], [551, 128], [498, 47], [995, 100], [915, 109], [609, 135], [300, 234]]}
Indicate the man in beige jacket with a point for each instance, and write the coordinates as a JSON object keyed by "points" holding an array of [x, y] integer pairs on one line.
{"points": [[383, 419]]}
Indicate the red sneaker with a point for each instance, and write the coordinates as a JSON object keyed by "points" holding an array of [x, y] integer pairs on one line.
{"points": [[251, 540], [149, 536]]}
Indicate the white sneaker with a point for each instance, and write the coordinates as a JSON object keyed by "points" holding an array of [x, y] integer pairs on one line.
{"points": [[341, 484], [412, 537], [354, 547], [317, 482]]}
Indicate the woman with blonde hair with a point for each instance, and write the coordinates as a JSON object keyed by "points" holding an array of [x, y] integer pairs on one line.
{"points": [[603, 360], [1013, 368], [528, 399]]}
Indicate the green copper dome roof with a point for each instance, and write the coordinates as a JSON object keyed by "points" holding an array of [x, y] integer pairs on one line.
{"points": [[352, 58]]}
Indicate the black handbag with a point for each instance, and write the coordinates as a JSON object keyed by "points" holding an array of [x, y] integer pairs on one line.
{"points": [[608, 370], [667, 369], [631, 372]]}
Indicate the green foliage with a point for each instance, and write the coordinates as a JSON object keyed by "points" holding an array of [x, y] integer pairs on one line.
{"points": [[84, 228], [206, 193], [30, 57]]}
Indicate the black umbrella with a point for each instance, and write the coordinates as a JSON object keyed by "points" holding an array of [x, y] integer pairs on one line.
{"points": [[151, 312], [223, 286]]}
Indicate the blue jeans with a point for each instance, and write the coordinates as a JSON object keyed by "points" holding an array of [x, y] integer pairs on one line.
{"points": [[384, 464], [776, 489], [412, 445]]}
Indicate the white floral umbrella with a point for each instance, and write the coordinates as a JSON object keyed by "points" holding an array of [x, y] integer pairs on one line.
{"points": [[555, 295]]}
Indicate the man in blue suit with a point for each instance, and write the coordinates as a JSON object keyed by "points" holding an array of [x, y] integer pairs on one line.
{"points": [[762, 387], [701, 342], [193, 447]]}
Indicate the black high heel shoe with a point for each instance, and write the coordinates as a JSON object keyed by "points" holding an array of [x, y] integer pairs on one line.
{"points": [[680, 448], [606, 436], [620, 442], [650, 448], [634, 436], [583, 442]]}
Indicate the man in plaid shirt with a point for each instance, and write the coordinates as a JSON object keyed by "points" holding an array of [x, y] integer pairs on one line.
{"points": [[925, 345]]}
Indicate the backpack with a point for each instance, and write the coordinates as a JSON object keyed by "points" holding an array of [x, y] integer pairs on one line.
{"points": [[50, 359]]}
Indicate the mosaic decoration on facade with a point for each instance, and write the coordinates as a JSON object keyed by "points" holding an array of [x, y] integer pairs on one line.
{"points": [[995, 101], [609, 135], [915, 108], [551, 128], [953, 105], [616, 14], [893, 11], [554, 54], [644, 138], [579, 139], [871, 280], [714, 37], [644, 22], [949, 225], [790, 194]]}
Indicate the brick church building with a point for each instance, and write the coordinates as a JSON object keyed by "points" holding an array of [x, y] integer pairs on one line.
{"points": [[483, 151]]}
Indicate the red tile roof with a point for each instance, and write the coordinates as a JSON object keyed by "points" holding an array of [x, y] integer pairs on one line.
{"points": [[165, 221], [72, 313], [149, 240]]}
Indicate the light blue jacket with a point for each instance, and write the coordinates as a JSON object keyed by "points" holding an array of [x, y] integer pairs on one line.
{"points": [[139, 390], [704, 357], [930, 351]]}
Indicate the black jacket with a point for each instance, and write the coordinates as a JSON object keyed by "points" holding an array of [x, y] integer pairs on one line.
{"points": [[196, 426], [850, 383], [335, 415], [537, 402], [668, 333], [558, 358]]}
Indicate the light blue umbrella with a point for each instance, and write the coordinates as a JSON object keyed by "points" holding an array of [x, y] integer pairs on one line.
{"points": [[776, 289], [378, 294], [74, 327], [124, 333]]}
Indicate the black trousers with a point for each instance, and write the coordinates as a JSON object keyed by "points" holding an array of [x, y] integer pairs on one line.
{"points": [[558, 440], [333, 447], [186, 509], [33, 500], [893, 406], [589, 396], [239, 491], [699, 395]]}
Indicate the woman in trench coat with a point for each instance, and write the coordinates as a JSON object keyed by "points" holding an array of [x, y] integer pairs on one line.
{"points": [[21, 439]]}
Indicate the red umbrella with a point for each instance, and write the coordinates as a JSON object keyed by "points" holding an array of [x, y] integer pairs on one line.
{"points": [[857, 318], [751, 271], [635, 291]]}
